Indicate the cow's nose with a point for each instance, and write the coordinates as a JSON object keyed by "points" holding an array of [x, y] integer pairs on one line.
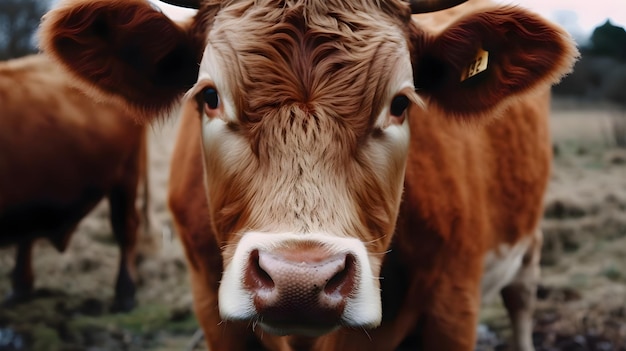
{"points": [[300, 286]]}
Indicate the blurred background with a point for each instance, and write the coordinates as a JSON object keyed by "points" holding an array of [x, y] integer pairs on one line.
{"points": [[582, 298]]}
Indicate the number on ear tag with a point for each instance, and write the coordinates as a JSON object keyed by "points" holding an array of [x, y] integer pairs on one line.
{"points": [[478, 65]]}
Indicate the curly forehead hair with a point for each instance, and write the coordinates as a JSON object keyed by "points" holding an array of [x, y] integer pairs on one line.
{"points": [[319, 55]]}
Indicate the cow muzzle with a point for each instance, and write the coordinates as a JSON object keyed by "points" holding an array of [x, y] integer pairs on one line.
{"points": [[300, 285], [303, 284]]}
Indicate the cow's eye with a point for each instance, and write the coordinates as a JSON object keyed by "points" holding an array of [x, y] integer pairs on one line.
{"points": [[399, 104], [210, 97]]}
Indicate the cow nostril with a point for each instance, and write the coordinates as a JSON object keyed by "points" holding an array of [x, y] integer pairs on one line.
{"points": [[343, 281], [257, 276]]}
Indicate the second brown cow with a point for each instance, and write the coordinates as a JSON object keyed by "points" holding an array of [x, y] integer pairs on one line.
{"points": [[61, 153]]}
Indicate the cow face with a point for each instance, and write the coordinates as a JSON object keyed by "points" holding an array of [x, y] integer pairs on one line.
{"points": [[303, 111], [305, 145]]}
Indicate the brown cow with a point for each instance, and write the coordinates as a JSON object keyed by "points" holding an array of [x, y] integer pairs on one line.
{"points": [[60, 154], [324, 203]]}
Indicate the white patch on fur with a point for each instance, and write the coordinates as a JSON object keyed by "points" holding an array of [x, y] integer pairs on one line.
{"points": [[399, 84], [210, 71], [363, 309], [501, 266]]}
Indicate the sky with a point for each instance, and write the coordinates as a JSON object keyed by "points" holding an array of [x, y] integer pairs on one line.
{"points": [[579, 17]]}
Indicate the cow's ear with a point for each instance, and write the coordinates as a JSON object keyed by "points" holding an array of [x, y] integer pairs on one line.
{"points": [[124, 49], [485, 59]]}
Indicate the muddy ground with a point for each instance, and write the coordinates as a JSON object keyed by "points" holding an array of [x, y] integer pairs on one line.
{"points": [[581, 299]]}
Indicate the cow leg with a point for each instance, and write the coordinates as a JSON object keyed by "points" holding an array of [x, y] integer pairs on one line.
{"points": [[450, 323], [456, 331], [520, 295], [22, 277], [125, 220]]}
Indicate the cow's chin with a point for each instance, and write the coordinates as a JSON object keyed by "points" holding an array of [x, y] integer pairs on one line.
{"points": [[308, 330], [300, 284]]}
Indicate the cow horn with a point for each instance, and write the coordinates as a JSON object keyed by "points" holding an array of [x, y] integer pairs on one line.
{"points": [[191, 4], [417, 6], [424, 6]]}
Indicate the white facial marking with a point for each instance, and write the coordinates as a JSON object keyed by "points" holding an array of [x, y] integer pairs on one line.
{"points": [[210, 71], [401, 82], [236, 302]]}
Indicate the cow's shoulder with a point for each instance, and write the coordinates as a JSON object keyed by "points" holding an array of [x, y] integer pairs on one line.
{"points": [[482, 184]]}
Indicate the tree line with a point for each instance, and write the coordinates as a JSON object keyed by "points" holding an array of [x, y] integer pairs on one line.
{"points": [[600, 74], [18, 21]]}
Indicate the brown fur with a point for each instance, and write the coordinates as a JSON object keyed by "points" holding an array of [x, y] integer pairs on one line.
{"points": [[108, 57], [308, 81], [61, 153], [504, 32]]}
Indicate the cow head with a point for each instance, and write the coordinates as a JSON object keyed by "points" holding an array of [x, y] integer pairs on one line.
{"points": [[303, 111]]}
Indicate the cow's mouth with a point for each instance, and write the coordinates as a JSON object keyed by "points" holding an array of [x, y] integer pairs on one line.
{"points": [[299, 328]]}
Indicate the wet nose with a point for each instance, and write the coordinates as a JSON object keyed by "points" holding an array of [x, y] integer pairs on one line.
{"points": [[300, 286]]}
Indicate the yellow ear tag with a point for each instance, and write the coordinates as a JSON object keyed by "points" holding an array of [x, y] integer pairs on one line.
{"points": [[478, 65]]}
